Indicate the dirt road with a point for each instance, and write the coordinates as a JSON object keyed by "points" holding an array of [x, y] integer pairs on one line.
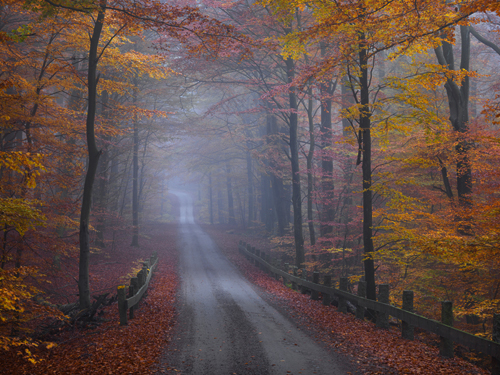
{"points": [[225, 327]]}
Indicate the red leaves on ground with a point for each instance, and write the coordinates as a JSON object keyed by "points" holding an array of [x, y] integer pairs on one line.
{"points": [[111, 348], [374, 350]]}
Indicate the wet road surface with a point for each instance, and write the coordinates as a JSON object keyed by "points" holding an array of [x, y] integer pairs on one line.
{"points": [[225, 327]]}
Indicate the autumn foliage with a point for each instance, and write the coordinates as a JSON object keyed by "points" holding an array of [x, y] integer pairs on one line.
{"points": [[360, 137], [371, 349], [111, 348]]}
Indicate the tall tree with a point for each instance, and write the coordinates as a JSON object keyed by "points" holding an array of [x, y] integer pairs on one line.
{"points": [[171, 21]]}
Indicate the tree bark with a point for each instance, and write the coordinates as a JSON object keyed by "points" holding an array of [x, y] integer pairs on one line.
{"points": [[294, 156], [94, 154], [102, 195], [365, 124], [310, 178], [458, 102], [278, 191], [249, 186], [347, 102], [220, 205], [135, 179], [210, 200], [327, 184], [267, 209], [230, 200]]}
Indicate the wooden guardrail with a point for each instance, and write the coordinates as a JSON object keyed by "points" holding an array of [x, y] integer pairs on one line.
{"points": [[137, 288], [448, 334]]}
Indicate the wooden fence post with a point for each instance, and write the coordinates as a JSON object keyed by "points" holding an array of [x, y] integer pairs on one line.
{"points": [[303, 275], [383, 296], [263, 257], [249, 249], [139, 280], [315, 293], [141, 277], [495, 362], [344, 281], [294, 284], [406, 328], [122, 305], [327, 299], [275, 264], [360, 310], [242, 247], [446, 345], [286, 269], [135, 282]]}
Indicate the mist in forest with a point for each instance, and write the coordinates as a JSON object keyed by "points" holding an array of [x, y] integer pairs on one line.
{"points": [[360, 141]]}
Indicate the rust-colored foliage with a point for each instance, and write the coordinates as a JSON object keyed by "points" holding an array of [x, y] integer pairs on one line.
{"points": [[374, 350], [111, 348]]}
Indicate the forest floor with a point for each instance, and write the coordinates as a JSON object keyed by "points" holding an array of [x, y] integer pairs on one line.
{"points": [[135, 349], [108, 348]]}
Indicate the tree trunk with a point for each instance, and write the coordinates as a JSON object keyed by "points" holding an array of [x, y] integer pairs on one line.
{"points": [[142, 174], [267, 211], [327, 184], [249, 187], [230, 200], [125, 181], [365, 124], [294, 156], [220, 205], [210, 200], [102, 199], [102, 196], [310, 179], [347, 201], [458, 102], [135, 178], [94, 154], [278, 191]]}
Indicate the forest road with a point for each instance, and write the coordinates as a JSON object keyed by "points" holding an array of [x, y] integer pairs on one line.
{"points": [[225, 327]]}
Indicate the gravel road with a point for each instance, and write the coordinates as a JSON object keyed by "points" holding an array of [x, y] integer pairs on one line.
{"points": [[225, 327]]}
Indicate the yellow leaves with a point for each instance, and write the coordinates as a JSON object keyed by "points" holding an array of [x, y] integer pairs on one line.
{"points": [[152, 66], [292, 46], [30, 357], [13, 291], [125, 66], [29, 165], [335, 250], [136, 267], [21, 214]]}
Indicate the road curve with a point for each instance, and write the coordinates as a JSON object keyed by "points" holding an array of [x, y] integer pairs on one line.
{"points": [[224, 326]]}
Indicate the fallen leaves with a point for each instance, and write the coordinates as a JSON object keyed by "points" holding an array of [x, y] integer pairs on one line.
{"points": [[111, 348], [373, 350]]}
